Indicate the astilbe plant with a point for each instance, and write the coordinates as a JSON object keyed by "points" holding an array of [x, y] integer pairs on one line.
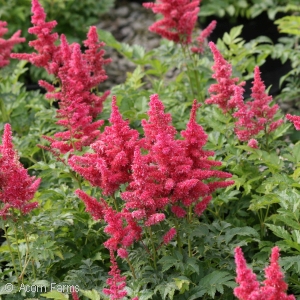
{"points": [[6, 46], [161, 173], [273, 288], [17, 188], [78, 73], [252, 117], [257, 115], [179, 19], [173, 171]]}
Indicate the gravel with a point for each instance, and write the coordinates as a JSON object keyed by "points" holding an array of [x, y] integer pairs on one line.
{"points": [[128, 23]]}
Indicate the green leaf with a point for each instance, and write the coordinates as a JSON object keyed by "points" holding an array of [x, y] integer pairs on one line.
{"points": [[166, 289], [214, 282], [182, 283], [109, 39], [243, 231], [291, 261], [93, 294], [236, 31], [168, 262], [289, 25], [279, 231], [55, 295]]}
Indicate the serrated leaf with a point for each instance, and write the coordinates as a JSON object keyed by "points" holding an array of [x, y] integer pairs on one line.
{"points": [[214, 282], [145, 295], [291, 261], [279, 231], [166, 289], [248, 231], [168, 262]]}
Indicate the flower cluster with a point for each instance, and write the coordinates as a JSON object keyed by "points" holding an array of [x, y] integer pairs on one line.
{"points": [[110, 164], [273, 288], [252, 117], [173, 172], [7, 45], [17, 188], [117, 282], [179, 19], [295, 120], [161, 172], [77, 73], [204, 34], [226, 93], [257, 115]]}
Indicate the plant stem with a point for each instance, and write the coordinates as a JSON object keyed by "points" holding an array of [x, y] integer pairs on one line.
{"points": [[189, 216], [179, 245], [11, 252], [115, 203], [18, 251], [73, 175], [131, 267], [28, 251], [196, 75], [188, 73], [153, 247]]}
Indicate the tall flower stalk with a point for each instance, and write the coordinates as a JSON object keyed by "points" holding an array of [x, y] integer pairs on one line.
{"points": [[77, 73], [177, 25], [164, 176], [17, 189], [6, 46], [273, 288]]}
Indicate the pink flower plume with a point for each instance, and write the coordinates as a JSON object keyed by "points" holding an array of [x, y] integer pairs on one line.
{"points": [[6, 46], [273, 288], [17, 188], [179, 19]]}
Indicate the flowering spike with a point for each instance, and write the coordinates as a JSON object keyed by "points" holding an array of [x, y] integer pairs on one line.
{"points": [[6, 46], [169, 236], [295, 120], [122, 253], [204, 34], [117, 282], [77, 72], [158, 120], [95, 208], [245, 277], [173, 171], [179, 19], [17, 188], [110, 164], [74, 294], [222, 92], [273, 288], [257, 115], [47, 51], [253, 143]]}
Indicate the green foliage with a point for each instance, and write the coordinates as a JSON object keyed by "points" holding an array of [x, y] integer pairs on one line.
{"points": [[243, 8], [244, 56]]}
